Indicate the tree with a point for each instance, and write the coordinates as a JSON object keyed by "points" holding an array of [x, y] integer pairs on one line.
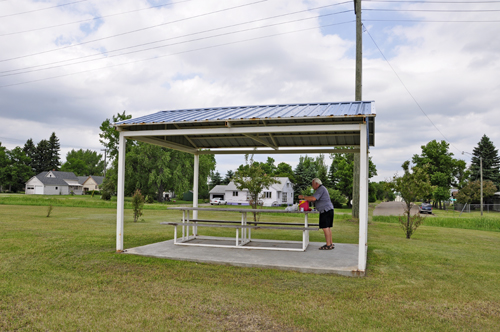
{"points": [[207, 166], [412, 186], [54, 147], [322, 169], [461, 174], [154, 170], [491, 161], [137, 204], [30, 151], [215, 179], [228, 178], [18, 170], [253, 178], [83, 162], [4, 161], [441, 168], [337, 198], [109, 136], [471, 193], [269, 166], [284, 170], [341, 173], [43, 157], [305, 172]]}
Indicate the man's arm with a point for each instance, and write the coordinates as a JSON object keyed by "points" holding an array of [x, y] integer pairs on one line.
{"points": [[308, 198]]}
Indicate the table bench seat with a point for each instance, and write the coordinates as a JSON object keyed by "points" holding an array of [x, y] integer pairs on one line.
{"points": [[251, 222]]}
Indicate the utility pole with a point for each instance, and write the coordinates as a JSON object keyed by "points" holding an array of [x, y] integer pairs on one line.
{"points": [[358, 97]]}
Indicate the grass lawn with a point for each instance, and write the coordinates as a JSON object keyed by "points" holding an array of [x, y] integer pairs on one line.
{"points": [[62, 273]]}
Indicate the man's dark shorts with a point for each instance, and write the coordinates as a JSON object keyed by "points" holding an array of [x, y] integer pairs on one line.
{"points": [[326, 219]]}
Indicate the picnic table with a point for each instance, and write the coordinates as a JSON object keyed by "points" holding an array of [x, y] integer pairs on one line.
{"points": [[243, 228]]}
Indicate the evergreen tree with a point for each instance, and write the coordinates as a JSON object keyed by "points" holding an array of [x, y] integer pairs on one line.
{"points": [[491, 162], [54, 147], [30, 151], [229, 176], [215, 179], [43, 157]]}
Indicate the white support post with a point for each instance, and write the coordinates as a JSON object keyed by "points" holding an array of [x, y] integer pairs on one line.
{"points": [[363, 198], [120, 193], [195, 184]]}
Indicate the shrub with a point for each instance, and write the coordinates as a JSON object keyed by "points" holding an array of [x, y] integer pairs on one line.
{"points": [[137, 204], [49, 210], [150, 199], [372, 198], [336, 197], [106, 195]]}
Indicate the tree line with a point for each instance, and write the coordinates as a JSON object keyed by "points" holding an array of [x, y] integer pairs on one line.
{"points": [[18, 165], [337, 178], [446, 172], [151, 169]]}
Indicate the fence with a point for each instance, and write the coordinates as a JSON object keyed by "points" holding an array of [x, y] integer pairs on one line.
{"points": [[477, 207]]}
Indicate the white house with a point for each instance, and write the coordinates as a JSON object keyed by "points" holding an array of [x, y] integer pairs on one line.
{"points": [[54, 183], [279, 193]]}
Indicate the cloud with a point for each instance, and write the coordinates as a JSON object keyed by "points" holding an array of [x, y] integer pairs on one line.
{"points": [[450, 69]]}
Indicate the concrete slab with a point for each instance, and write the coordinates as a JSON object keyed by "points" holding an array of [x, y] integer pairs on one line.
{"points": [[342, 260]]}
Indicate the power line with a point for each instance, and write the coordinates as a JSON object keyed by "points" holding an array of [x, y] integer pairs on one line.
{"points": [[172, 54], [429, 21], [435, 10], [132, 31], [420, 1], [37, 10], [6, 73], [407, 90], [94, 18]]}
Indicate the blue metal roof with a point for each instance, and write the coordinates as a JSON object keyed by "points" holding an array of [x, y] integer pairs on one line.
{"points": [[279, 111]]}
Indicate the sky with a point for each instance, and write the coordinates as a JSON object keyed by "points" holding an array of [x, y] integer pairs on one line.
{"points": [[431, 67]]}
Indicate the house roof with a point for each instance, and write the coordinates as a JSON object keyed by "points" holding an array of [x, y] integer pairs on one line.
{"points": [[218, 189], [285, 126], [58, 179], [82, 179], [282, 181], [98, 179]]}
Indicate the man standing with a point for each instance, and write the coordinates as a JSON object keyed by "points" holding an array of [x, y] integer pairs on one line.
{"points": [[325, 207]]}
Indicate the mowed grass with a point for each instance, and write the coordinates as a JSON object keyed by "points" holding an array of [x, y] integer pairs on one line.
{"points": [[453, 219], [62, 273]]}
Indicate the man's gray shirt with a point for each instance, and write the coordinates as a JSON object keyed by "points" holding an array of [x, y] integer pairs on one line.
{"points": [[323, 201]]}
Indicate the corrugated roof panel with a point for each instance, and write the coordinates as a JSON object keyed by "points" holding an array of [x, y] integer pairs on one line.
{"points": [[279, 111]]}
